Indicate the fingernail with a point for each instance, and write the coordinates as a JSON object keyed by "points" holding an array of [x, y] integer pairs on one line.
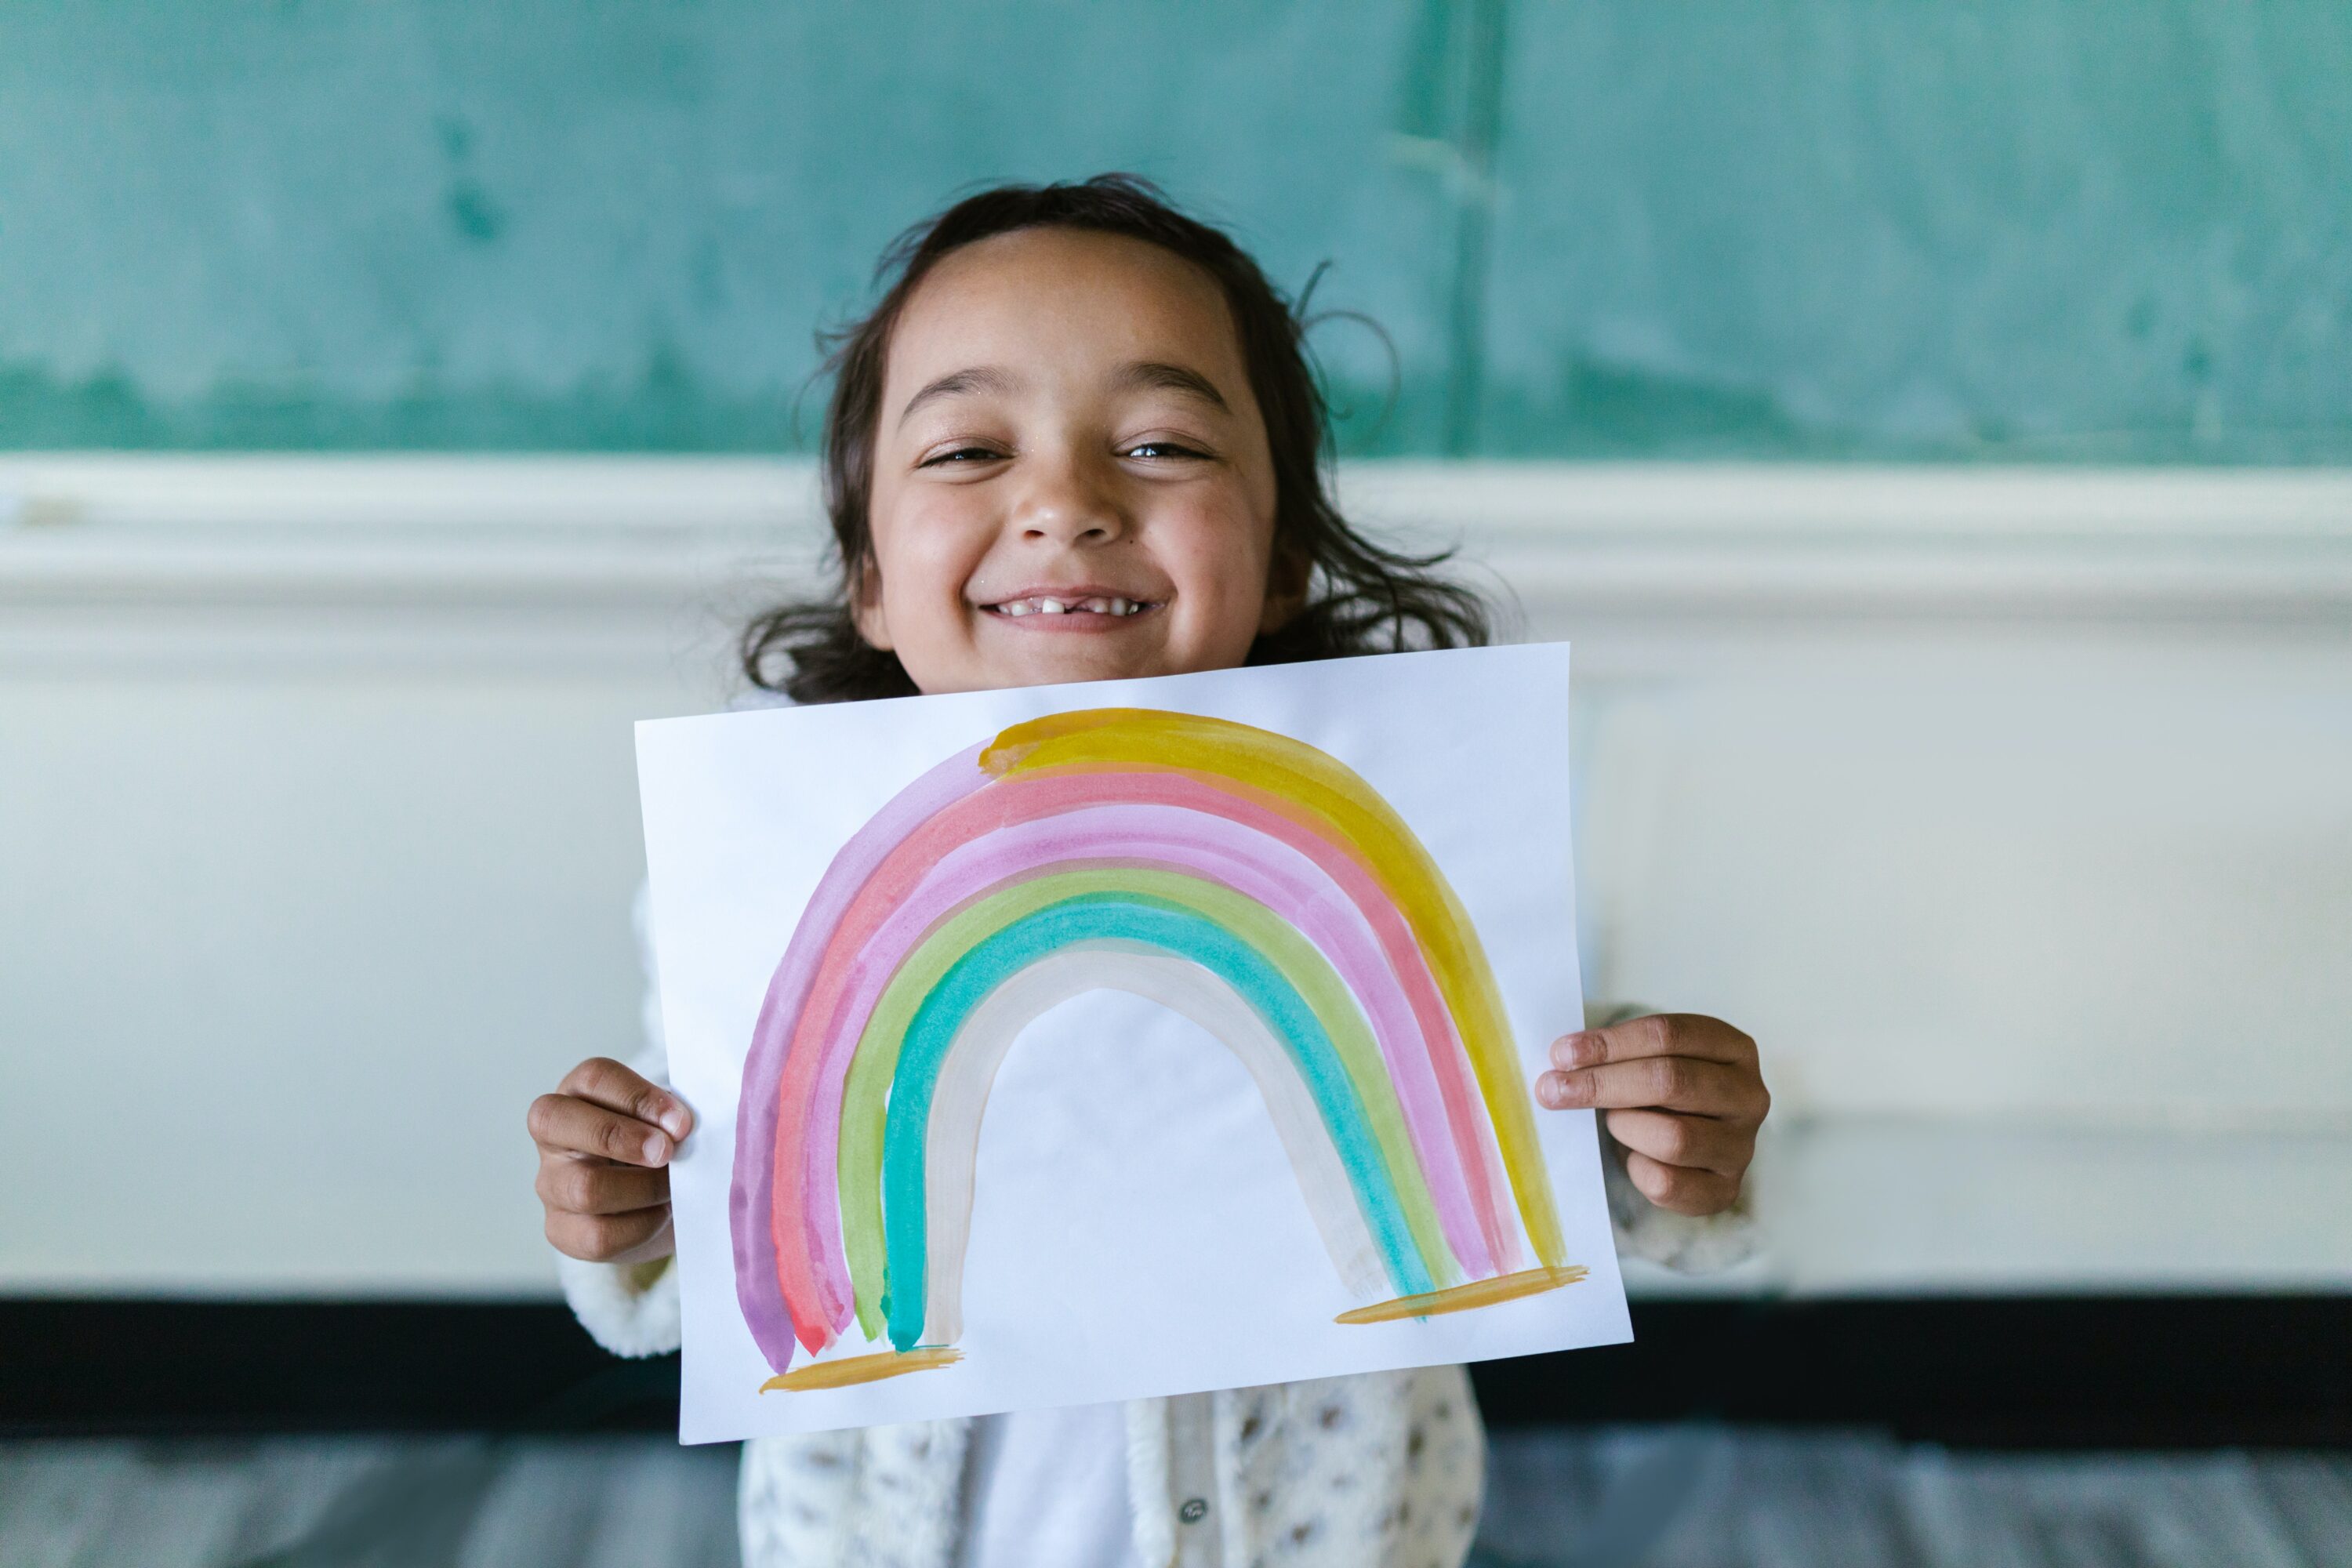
{"points": [[673, 1117], [1548, 1088], [656, 1151], [1581, 1048]]}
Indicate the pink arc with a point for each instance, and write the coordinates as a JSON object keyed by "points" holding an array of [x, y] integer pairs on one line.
{"points": [[910, 868]]}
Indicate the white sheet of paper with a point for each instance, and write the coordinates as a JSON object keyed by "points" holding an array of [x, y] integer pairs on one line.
{"points": [[1136, 1224]]}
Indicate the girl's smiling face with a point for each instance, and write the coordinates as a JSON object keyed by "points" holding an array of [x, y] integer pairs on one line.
{"points": [[1071, 477]]}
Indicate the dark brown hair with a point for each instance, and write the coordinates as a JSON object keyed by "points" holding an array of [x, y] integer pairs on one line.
{"points": [[1361, 597]]}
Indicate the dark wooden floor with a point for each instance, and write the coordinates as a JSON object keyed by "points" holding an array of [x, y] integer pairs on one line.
{"points": [[1629, 1497]]}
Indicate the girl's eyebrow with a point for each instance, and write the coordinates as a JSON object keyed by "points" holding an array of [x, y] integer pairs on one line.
{"points": [[974, 378], [1158, 374], [1135, 375]]}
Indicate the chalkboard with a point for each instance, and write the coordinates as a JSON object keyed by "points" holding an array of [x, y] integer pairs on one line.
{"points": [[2011, 230]]}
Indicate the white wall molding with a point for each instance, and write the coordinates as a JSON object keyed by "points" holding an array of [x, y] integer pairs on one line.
{"points": [[249, 564], [1865, 544], [226, 548]]}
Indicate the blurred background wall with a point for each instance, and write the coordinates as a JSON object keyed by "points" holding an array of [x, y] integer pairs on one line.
{"points": [[1927, 424], [2019, 229]]}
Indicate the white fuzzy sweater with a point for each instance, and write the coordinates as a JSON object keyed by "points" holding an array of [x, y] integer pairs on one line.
{"points": [[1382, 1469]]}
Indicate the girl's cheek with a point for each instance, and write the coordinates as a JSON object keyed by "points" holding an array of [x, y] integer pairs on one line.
{"points": [[948, 622], [935, 552], [1235, 548]]}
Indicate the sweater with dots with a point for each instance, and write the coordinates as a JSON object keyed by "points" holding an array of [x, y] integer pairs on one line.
{"points": [[1382, 1469]]}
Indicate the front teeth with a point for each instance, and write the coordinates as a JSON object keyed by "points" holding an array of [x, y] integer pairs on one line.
{"points": [[1042, 606]]}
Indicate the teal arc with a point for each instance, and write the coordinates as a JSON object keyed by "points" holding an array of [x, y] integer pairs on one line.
{"points": [[1159, 925]]}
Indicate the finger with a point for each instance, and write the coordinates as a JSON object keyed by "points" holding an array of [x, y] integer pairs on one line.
{"points": [[603, 1081], [579, 1185], [562, 1124], [1680, 1188], [1693, 1143], [1667, 1083], [1659, 1034], [605, 1238]]}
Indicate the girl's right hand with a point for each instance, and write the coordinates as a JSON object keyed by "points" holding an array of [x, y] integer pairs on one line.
{"points": [[604, 1139]]}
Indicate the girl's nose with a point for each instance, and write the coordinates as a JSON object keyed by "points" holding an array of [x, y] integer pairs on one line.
{"points": [[1066, 504]]}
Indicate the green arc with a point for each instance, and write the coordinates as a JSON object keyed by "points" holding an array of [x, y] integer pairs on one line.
{"points": [[886, 1098]]}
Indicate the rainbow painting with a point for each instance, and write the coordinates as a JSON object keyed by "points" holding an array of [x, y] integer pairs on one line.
{"points": [[1241, 878]]}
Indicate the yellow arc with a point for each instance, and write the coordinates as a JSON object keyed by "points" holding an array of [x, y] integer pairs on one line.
{"points": [[1297, 775]]}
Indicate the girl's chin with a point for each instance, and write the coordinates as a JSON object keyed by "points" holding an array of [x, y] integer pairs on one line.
{"points": [[1047, 660], [1079, 647], [1105, 664]]}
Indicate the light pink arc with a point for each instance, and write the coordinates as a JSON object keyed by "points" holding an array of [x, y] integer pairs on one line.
{"points": [[1463, 1172], [1247, 861]]}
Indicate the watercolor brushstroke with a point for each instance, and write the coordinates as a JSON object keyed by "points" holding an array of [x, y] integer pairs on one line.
{"points": [[1283, 979], [1239, 877], [943, 849], [1304, 782], [1182, 988]]}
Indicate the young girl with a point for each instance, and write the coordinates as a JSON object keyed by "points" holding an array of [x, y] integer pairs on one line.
{"points": [[1078, 438]]}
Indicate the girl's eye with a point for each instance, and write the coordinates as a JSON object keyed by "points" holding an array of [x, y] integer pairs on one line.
{"points": [[962, 454], [1162, 450]]}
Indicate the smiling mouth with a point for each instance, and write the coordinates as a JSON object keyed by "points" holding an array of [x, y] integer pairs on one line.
{"points": [[1072, 610]]}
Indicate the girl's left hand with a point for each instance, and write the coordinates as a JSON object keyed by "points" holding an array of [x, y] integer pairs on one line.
{"points": [[1681, 1092]]}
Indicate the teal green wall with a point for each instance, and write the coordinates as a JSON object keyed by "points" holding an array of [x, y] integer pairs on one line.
{"points": [[2015, 229]]}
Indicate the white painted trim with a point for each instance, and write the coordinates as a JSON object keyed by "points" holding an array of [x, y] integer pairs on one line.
{"points": [[594, 532], [1868, 544], [599, 535]]}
